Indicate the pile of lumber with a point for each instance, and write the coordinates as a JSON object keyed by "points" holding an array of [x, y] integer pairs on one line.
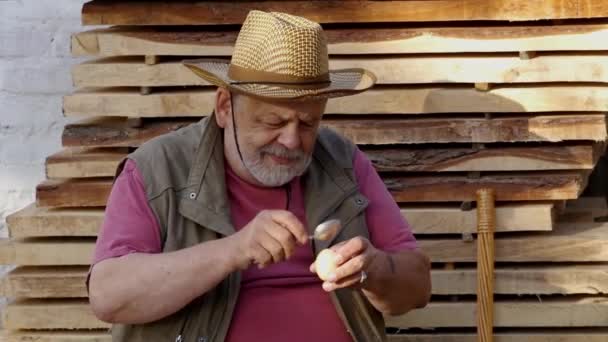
{"points": [[464, 100]]}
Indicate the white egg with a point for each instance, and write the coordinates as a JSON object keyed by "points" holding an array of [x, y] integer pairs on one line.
{"points": [[326, 264]]}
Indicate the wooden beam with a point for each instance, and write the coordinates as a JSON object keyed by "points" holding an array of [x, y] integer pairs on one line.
{"points": [[590, 335], [452, 220], [220, 12], [509, 187], [521, 158], [84, 163], [380, 100], [132, 72], [114, 132], [35, 221], [585, 312], [569, 242], [72, 192], [46, 282], [47, 252], [60, 336], [109, 132], [577, 242], [132, 41], [69, 282], [51, 314]]}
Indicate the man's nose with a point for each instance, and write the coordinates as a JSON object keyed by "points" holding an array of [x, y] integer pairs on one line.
{"points": [[290, 136]]}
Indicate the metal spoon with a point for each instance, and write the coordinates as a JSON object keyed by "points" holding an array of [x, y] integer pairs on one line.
{"points": [[326, 231]]}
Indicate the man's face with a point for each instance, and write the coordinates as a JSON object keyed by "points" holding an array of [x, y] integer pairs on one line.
{"points": [[276, 139]]}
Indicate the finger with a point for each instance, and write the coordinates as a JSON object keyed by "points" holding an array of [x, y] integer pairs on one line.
{"points": [[350, 249], [313, 268], [284, 237], [352, 267], [272, 246], [350, 281], [292, 223], [261, 257]]}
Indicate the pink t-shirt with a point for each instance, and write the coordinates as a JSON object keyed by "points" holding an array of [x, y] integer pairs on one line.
{"points": [[282, 302]]}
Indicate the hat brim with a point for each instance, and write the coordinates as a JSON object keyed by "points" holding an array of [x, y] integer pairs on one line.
{"points": [[343, 82]]}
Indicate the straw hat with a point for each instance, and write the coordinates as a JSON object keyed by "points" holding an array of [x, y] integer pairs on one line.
{"points": [[281, 56]]}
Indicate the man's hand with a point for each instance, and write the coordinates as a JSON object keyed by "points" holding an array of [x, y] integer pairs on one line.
{"points": [[353, 257], [270, 237]]}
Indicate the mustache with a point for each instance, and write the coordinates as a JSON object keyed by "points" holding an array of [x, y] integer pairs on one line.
{"points": [[282, 152]]}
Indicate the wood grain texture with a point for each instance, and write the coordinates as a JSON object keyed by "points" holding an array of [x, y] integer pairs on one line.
{"points": [[33, 221], [129, 41], [72, 192], [412, 69], [51, 314], [47, 252], [426, 158], [69, 282], [220, 12], [509, 187], [589, 335], [380, 100], [585, 312], [59, 336], [113, 132], [569, 242], [86, 163]]}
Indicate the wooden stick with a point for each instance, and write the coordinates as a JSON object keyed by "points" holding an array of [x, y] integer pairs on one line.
{"points": [[486, 222]]}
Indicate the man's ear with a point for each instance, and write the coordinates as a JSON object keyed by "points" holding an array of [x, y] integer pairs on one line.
{"points": [[222, 107]]}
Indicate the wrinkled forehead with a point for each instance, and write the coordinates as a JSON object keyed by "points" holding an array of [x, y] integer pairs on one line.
{"points": [[303, 110]]}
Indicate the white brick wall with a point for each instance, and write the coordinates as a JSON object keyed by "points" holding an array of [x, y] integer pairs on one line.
{"points": [[34, 74]]}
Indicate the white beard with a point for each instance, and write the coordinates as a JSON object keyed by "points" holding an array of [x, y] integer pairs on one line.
{"points": [[277, 174]]}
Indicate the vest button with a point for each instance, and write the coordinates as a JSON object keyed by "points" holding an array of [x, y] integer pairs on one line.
{"points": [[359, 201], [192, 195]]}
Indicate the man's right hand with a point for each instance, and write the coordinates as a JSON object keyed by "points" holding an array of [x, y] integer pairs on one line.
{"points": [[270, 237]]}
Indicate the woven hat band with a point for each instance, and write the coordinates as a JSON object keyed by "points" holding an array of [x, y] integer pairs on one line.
{"points": [[247, 75]]}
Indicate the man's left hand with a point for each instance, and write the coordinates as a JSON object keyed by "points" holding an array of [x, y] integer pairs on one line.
{"points": [[354, 257]]}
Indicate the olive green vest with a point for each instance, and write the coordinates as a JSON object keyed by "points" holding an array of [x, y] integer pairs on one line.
{"points": [[183, 173]]}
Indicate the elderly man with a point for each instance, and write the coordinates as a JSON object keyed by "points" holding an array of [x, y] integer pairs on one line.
{"points": [[206, 233]]}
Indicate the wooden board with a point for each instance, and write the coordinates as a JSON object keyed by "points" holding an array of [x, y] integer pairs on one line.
{"points": [[524, 187], [87, 163], [69, 282], [569, 242], [59, 336], [72, 192], [121, 41], [576, 242], [109, 132], [385, 100], [590, 335], [46, 282], [133, 72], [220, 12], [51, 314], [521, 158], [35, 221], [509, 187], [586, 312], [47, 252], [452, 220]]}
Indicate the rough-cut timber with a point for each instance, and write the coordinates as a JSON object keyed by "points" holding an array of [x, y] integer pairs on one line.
{"points": [[51, 314], [59, 336], [47, 252], [570, 242], [453, 220], [133, 41], [133, 72], [380, 100], [72, 193], [115, 12], [522, 158], [509, 187], [588, 335], [108, 132], [35, 221], [585, 312], [69, 282], [85, 163]]}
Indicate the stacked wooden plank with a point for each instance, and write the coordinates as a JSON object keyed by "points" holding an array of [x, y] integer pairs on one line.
{"points": [[519, 107]]}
